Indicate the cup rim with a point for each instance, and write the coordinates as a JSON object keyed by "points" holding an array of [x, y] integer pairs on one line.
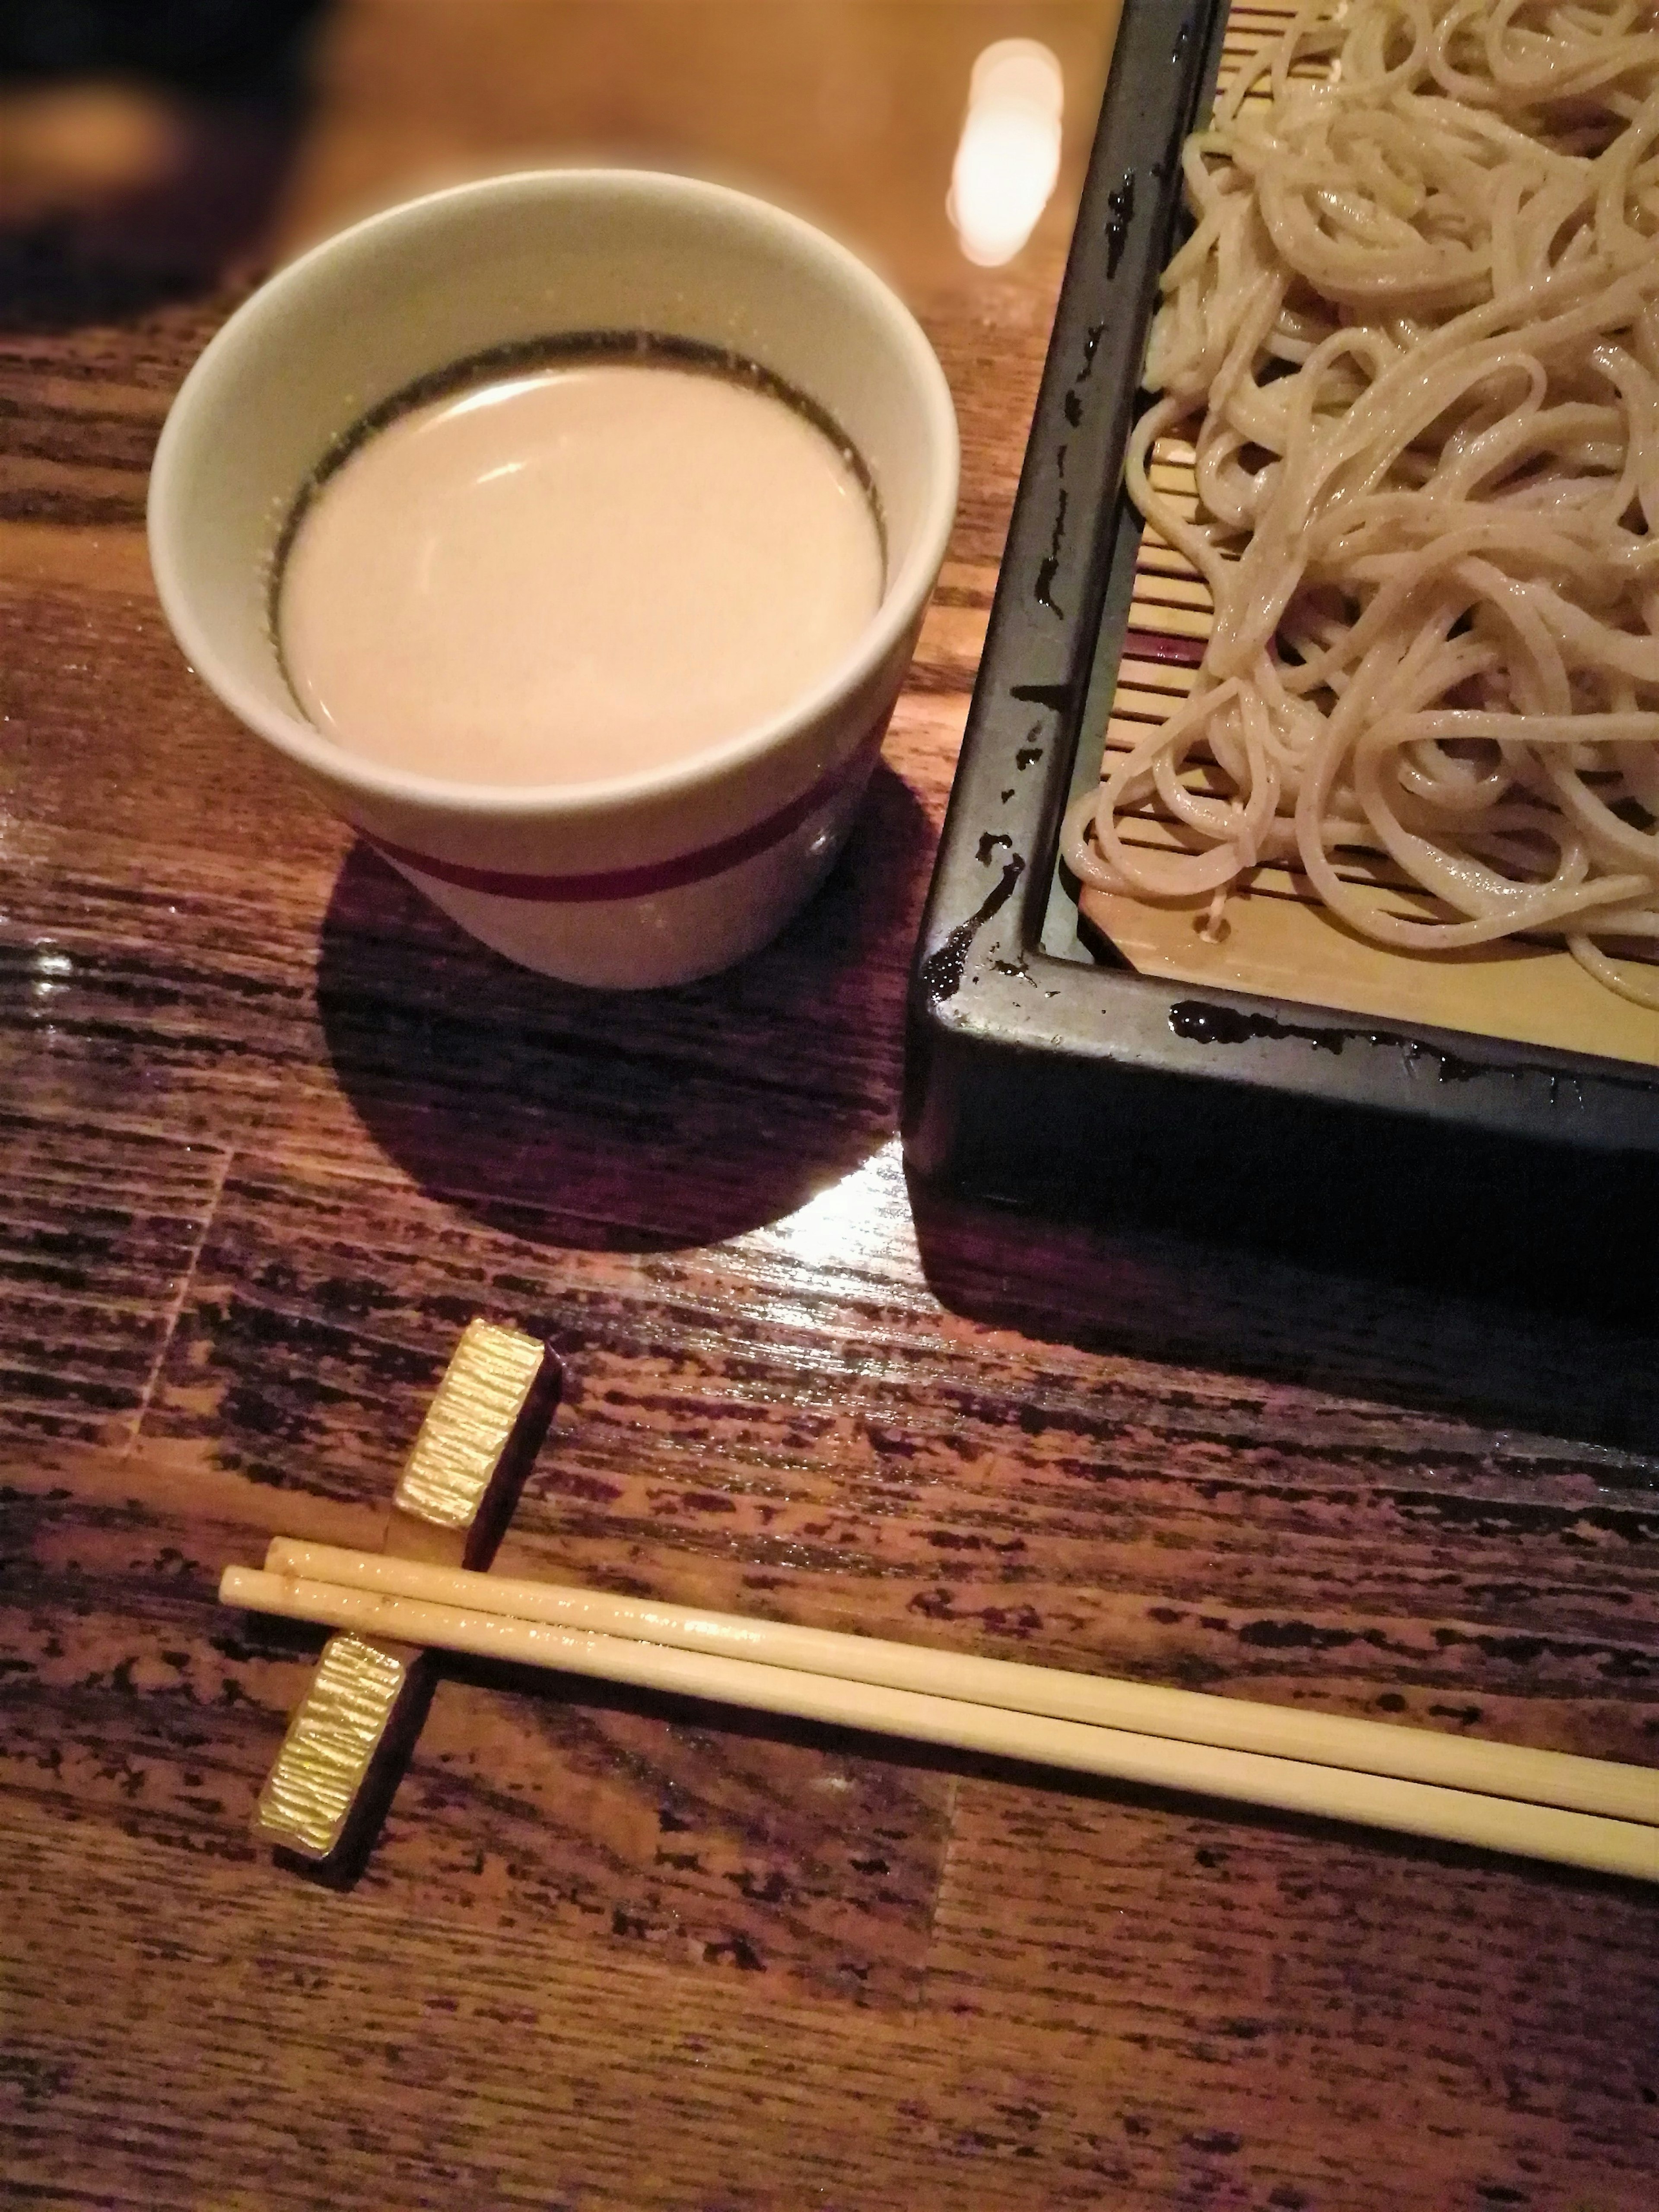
{"points": [[901, 600]]}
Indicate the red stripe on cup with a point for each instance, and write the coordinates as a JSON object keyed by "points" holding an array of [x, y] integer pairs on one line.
{"points": [[656, 875]]}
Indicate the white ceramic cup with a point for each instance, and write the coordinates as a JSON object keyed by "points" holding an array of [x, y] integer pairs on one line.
{"points": [[643, 879]]}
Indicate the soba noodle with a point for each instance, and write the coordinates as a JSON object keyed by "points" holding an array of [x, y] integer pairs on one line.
{"points": [[1413, 338]]}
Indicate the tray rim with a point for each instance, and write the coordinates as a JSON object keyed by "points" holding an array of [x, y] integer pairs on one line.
{"points": [[981, 981]]}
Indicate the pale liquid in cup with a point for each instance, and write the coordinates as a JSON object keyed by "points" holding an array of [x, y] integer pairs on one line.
{"points": [[591, 569]]}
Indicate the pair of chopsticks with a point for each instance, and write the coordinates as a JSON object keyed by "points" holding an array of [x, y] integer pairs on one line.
{"points": [[1495, 1796]]}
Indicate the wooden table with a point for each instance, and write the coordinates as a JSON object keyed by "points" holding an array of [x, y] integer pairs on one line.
{"points": [[272, 1130]]}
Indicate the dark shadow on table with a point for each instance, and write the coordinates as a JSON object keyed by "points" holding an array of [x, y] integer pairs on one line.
{"points": [[1128, 1278], [147, 148], [629, 1121]]}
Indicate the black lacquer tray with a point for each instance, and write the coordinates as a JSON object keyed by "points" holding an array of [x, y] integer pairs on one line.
{"points": [[1039, 1072]]}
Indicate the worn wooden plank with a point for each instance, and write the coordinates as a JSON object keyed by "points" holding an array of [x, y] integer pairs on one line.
{"points": [[419, 2055], [420, 2060], [98, 1230], [1301, 1989]]}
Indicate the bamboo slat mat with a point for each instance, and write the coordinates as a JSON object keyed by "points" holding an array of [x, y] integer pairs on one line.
{"points": [[1277, 940]]}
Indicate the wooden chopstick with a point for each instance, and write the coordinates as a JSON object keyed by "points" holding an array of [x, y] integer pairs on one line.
{"points": [[1456, 1815], [1497, 1770]]}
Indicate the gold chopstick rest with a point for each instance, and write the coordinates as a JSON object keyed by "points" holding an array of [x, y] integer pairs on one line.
{"points": [[306, 1803], [468, 1425], [341, 1756]]}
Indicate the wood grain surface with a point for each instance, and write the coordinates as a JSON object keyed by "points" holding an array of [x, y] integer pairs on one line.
{"points": [[272, 1130]]}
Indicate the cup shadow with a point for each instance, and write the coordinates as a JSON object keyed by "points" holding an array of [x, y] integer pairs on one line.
{"points": [[629, 1121]]}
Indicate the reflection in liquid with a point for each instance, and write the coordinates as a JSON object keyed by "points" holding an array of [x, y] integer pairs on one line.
{"points": [[1008, 157]]}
